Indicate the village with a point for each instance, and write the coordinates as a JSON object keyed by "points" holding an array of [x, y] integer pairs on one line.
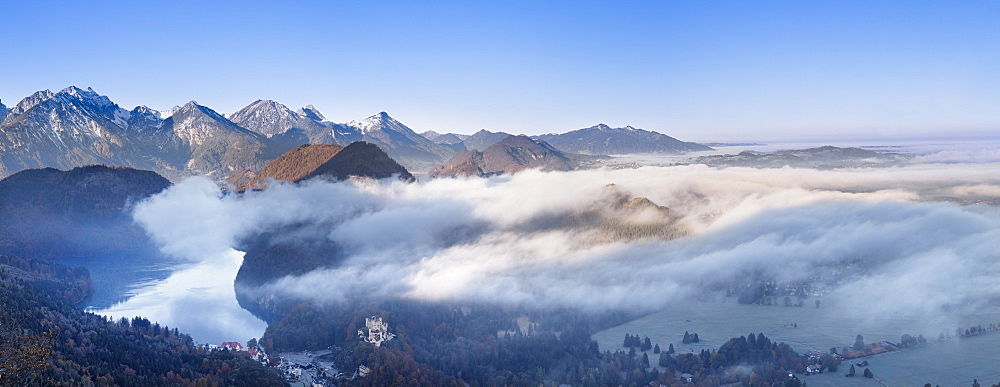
{"points": [[311, 368]]}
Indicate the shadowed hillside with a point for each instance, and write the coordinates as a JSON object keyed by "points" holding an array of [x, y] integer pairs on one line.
{"points": [[48, 213], [360, 159]]}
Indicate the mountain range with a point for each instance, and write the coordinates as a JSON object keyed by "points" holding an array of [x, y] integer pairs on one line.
{"points": [[76, 127], [509, 155], [602, 139], [824, 157], [404, 145]]}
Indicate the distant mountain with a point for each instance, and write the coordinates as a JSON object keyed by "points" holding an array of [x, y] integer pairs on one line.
{"points": [[483, 139], [218, 146], [270, 256], [77, 127], [826, 157], [512, 154], [451, 140], [605, 140], [360, 159], [271, 118], [3, 111], [401, 143], [311, 113], [444, 138], [48, 213], [431, 135], [294, 165]]}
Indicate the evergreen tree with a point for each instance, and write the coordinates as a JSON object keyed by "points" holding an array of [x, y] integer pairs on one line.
{"points": [[646, 345], [859, 342], [656, 349]]}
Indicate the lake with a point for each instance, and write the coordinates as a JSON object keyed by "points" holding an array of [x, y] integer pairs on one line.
{"points": [[196, 297]]}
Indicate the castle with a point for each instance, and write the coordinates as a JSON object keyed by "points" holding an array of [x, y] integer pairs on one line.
{"points": [[378, 331]]}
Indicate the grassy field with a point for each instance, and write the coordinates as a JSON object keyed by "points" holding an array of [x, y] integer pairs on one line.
{"points": [[834, 323]]}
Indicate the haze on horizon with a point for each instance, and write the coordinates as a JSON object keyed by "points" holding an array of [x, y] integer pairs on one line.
{"points": [[725, 71]]}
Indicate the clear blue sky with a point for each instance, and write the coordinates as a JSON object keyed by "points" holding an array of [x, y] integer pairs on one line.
{"points": [[697, 70]]}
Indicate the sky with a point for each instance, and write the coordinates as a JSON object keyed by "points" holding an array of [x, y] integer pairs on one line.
{"points": [[698, 71]]}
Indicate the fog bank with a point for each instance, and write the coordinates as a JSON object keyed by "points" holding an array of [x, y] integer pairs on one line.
{"points": [[872, 231]]}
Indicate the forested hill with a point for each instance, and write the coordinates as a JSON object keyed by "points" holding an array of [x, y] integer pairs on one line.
{"points": [[45, 341], [360, 159], [48, 213], [291, 166]]}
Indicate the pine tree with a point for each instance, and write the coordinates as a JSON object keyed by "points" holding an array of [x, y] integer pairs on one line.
{"points": [[646, 345]]}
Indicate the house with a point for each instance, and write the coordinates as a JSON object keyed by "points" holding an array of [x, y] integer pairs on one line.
{"points": [[363, 370], [231, 345], [257, 355], [814, 369], [687, 378]]}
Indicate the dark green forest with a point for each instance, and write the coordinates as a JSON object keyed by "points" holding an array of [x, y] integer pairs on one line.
{"points": [[44, 340]]}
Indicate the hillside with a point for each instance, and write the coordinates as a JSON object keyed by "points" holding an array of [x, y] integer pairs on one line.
{"points": [[76, 127], [45, 341], [605, 140], [510, 155], [483, 139], [410, 149], [360, 159], [294, 165], [47, 213]]}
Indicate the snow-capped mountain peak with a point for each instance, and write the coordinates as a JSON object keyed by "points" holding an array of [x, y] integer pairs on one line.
{"points": [[3, 111], [32, 101], [309, 111], [379, 122], [88, 95]]}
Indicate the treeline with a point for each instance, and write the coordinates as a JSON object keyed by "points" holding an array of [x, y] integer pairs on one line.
{"points": [[438, 344], [766, 292], [45, 341], [64, 282]]}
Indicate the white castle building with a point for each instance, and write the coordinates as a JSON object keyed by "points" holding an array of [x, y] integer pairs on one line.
{"points": [[377, 331]]}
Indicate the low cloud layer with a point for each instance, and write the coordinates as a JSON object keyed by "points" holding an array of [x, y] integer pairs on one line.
{"points": [[475, 240]]}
